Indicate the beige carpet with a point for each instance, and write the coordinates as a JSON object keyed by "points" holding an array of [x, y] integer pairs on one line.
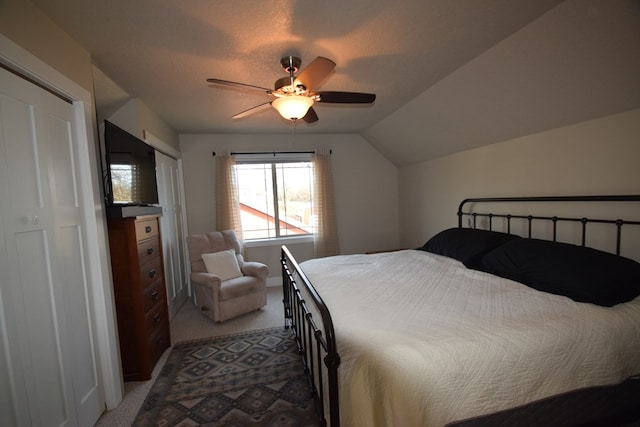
{"points": [[189, 324]]}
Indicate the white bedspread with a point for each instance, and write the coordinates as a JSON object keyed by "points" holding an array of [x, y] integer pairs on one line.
{"points": [[425, 341]]}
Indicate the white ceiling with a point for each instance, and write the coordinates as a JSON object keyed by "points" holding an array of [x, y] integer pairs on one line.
{"points": [[448, 74]]}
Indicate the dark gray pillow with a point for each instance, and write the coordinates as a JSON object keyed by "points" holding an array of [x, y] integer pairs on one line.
{"points": [[580, 273], [467, 245]]}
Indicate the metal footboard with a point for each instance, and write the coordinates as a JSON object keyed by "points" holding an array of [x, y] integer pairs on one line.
{"points": [[315, 337]]}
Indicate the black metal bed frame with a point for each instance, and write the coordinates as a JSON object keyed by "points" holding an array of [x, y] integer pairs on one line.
{"points": [[554, 219], [314, 345], [317, 342]]}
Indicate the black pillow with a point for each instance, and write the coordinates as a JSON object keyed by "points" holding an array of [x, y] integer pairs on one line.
{"points": [[580, 273], [467, 245]]}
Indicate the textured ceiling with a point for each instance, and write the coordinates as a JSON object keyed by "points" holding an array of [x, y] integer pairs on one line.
{"points": [[162, 51], [417, 53]]}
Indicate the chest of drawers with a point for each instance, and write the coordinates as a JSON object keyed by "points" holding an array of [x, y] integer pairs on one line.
{"points": [[140, 295]]}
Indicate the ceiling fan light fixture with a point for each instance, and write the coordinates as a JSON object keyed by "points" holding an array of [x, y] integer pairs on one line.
{"points": [[292, 107], [294, 95]]}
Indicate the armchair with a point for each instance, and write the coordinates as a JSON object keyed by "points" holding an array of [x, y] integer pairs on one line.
{"points": [[224, 283]]}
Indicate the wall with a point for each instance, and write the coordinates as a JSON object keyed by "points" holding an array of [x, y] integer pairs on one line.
{"points": [[365, 187], [27, 26], [136, 118], [577, 62], [595, 157]]}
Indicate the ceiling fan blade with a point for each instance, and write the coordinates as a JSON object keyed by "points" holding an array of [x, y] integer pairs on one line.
{"points": [[311, 116], [346, 97], [251, 110], [315, 73], [237, 85]]}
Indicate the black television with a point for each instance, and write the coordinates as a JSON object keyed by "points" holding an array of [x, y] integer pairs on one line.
{"points": [[130, 174]]}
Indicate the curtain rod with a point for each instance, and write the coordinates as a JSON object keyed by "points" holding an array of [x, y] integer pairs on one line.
{"points": [[233, 153]]}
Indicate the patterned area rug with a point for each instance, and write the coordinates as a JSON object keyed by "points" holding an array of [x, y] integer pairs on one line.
{"points": [[248, 379]]}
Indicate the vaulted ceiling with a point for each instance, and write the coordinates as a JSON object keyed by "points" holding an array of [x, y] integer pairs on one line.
{"points": [[449, 74]]}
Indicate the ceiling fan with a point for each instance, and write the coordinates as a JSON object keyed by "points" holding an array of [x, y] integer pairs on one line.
{"points": [[295, 95]]}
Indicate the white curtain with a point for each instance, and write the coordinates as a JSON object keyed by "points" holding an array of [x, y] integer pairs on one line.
{"points": [[227, 205], [326, 236]]}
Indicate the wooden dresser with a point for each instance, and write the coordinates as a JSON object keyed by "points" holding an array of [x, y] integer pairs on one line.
{"points": [[139, 288]]}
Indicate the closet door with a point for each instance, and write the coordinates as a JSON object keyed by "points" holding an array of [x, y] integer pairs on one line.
{"points": [[49, 368], [171, 227]]}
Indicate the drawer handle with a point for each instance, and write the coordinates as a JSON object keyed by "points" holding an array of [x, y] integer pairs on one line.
{"points": [[156, 318], [147, 229], [155, 295], [149, 251], [152, 274], [159, 341]]}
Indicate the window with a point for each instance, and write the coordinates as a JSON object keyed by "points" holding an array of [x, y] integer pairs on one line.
{"points": [[275, 199], [121, 178]]}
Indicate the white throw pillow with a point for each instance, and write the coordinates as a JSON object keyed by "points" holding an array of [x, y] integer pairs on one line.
{"points": [[223, 264]]}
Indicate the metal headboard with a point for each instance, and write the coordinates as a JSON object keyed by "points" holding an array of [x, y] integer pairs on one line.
{"points": [[554, 219]]}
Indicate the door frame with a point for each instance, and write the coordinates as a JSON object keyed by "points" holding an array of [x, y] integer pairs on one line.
{"points": [[99, 271]]}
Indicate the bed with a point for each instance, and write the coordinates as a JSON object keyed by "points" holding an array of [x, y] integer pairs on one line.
{"points": [[478, 326]]}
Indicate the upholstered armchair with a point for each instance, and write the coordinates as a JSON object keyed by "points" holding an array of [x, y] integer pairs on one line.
{"points": [[224, 283]]}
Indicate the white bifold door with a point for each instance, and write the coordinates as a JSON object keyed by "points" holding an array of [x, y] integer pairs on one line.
{"points": [[171, 223], [48, 363]]}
